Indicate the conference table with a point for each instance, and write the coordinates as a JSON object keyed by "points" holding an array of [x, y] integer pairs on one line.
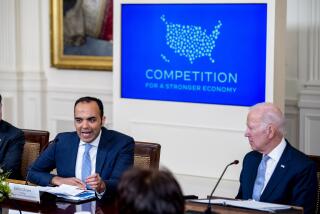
{"points": [[109, 207]]}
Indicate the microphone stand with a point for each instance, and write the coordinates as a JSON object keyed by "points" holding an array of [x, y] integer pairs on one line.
{"points": [[27, 176], [208, 210]]}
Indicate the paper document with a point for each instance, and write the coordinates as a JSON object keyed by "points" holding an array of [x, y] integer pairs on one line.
{"points": [[63, 189], [70, 193], [249, 204]]}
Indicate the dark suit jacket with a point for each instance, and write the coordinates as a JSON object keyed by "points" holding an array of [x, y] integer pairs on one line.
{"points": [[293, 182], [11, 147], [114, 156]]}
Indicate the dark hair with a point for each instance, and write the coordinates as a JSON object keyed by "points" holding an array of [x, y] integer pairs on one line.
{"points": [[88, 100], [149, 191], [0, 99]]}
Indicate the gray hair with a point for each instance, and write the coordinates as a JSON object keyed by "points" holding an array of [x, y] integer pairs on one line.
{"points": [[271, 114]]}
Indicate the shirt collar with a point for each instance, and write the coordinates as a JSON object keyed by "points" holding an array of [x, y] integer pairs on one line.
{"points": [[93, 143], [276, 153]]}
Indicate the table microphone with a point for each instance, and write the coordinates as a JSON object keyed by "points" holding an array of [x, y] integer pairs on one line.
{"points": [[208, 210], [27, 176]]}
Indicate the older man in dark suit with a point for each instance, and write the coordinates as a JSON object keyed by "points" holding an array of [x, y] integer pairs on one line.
{"points": [[275, 171], [11, 147], [93, 157]]}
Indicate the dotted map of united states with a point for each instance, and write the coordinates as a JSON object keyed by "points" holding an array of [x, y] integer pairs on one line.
{"points": [[190, 41]]}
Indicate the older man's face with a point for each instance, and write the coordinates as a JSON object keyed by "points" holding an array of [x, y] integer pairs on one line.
{"points": [[256, 132]]}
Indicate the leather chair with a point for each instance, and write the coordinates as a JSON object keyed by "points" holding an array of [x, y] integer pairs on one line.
{"points": [[316, 159], [35, 142], [147, 155]]}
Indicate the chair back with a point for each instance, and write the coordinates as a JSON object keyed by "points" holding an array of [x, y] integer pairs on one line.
{"points": [[316, 159], [147, 155], [35, 142]]}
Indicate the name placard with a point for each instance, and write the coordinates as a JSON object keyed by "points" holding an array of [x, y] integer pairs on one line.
{"points": [[24, 192]]}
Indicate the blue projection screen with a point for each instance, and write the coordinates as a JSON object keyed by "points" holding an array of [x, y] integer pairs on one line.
{"points": [[199, 53]]}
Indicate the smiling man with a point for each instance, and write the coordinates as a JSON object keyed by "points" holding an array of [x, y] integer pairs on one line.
{"points": [[93, 157], [275, 171]]}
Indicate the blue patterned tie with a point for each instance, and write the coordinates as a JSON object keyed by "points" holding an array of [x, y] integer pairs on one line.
{"points": [[86, 163], [260, 179]]}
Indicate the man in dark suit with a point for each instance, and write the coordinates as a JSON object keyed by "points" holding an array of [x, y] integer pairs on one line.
{"points": [[275, 171], [92, 157], [11, 147]]}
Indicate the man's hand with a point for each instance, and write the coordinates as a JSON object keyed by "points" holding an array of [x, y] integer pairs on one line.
{"points": [[56, 180], [96, 183]]}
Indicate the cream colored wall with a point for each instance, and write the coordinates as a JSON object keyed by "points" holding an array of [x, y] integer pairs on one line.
{"points": [[40, 97]]}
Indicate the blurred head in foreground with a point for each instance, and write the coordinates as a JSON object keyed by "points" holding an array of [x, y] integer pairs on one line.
{"points": [[149, 191]]}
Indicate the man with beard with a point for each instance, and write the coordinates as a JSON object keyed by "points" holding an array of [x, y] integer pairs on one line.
{"points": [[93, 157]]}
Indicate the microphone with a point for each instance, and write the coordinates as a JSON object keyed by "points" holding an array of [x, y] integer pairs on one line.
{"points": [[208, 210], [27, 176]]}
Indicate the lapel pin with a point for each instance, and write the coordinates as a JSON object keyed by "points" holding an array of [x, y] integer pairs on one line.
{"points": [[282, 166]]}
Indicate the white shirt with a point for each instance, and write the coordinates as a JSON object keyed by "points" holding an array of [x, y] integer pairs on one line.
{"points": [[92, 153], [275, 156]]}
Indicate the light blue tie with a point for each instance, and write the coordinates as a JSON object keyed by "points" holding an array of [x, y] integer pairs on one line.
{"points": [[86, 207], [260, 179], [86, 163]]}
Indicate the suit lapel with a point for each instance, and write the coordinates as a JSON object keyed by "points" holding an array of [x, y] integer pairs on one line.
{"points": [[279, 172], [103, 150], [74, 151]]}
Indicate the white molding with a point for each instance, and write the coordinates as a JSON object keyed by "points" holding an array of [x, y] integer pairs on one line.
{"points": [[6, 68], [80, 90], [309, 104], [292, 90], [291, 102], [309, 39], [202, 186], [53, 125], [184, 126], [8, 75], [9, 107], [309, 99], [307, 145], [292, 121], [309, 71], [38, 75], [8, 17], [22, 76], [314, 46]]}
